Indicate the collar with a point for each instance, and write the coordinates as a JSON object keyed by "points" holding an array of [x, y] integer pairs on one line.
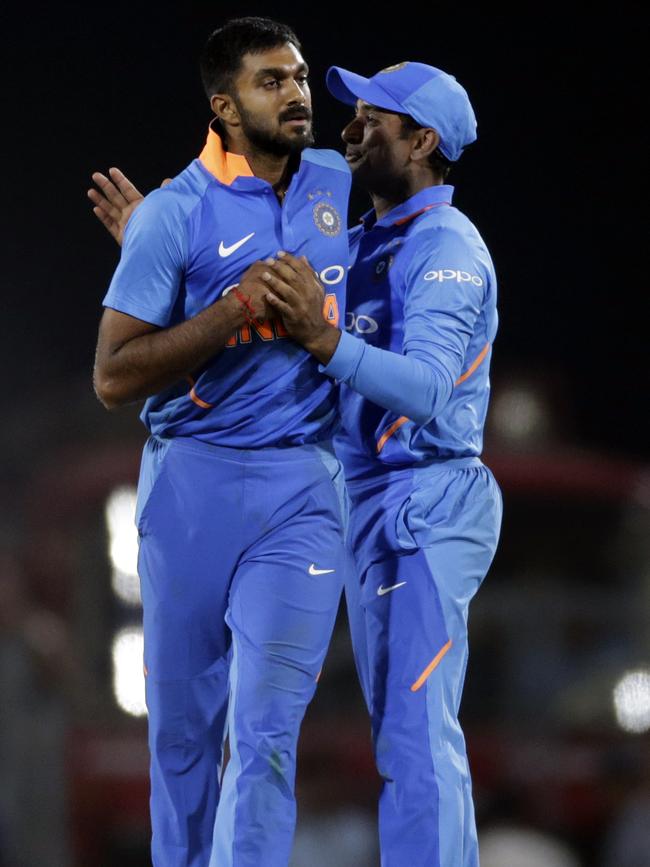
{"points": [[225, 166], [429, 197]]}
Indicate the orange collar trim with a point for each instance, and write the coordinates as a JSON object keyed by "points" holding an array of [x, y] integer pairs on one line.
{"points": [[225, 167]]}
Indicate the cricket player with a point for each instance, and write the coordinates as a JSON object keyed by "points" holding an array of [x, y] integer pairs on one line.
{"points": [[425, 512], [239, 503]]}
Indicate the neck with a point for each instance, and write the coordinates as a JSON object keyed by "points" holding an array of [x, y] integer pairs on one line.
{"points": [[383, 202], [274, 169]]}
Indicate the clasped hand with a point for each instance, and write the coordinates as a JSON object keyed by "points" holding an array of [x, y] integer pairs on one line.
{"points": [[297, 296]]}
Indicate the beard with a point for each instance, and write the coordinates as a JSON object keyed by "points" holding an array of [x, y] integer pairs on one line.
{"points": [[275, 141]]}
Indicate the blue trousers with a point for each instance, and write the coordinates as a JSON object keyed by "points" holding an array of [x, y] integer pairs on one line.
{"points": [[422, 541], [241, 566]]}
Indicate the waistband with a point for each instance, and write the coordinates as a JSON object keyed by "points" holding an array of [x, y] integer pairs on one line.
{"points": [[386, 473], [323, 451]]}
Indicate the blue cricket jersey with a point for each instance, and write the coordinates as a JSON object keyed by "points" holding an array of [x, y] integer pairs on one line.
{"points": [[422, 286], [188, 244]]}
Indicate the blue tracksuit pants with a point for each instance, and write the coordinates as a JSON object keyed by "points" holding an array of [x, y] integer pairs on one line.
{"points": [[422, 542], [241, 567]]}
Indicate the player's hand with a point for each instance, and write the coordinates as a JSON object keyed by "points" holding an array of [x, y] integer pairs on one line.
{"points": [[255, 290], [297, 296], [114, 201]]}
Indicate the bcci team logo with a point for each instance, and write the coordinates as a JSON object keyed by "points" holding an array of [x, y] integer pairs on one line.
{"points": [[327, 219]]}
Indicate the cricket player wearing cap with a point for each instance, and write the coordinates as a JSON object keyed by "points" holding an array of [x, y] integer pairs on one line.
{"points": [[413, 361]]}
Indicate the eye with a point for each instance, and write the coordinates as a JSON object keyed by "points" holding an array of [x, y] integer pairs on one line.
{"points": [[302, 79], [272, 83]]}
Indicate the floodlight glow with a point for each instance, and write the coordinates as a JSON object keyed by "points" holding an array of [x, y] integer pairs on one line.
{"points": [[128, 674], [632, 701], [123, 543], [519, 413]]}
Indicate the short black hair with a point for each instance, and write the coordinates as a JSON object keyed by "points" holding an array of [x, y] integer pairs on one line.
{"points": [[438, 162], [222, 56]]}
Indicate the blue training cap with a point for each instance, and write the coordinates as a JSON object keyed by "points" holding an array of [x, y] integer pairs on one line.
{"points": [[430, 96]]}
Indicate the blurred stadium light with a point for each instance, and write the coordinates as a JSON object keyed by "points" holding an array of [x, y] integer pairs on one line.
{"points": [[123, 543], [520, 413], [128, 676], [523, 847], [632, 701]]}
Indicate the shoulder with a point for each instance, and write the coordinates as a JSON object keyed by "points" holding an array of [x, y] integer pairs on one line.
{"points": [[447, 230], [166, 209], [326, 159], [432, 236], [181, 195], [446, 252]]}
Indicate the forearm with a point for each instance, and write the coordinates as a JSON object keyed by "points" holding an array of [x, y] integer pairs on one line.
{"points": [[147, 363], [401, 383]]}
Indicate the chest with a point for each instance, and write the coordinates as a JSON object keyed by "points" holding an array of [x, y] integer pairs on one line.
{"points": [[375, 309], [229, 231]]}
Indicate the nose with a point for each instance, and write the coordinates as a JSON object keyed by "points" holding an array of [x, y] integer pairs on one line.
{"points": [[353, 132], [295, 94]]}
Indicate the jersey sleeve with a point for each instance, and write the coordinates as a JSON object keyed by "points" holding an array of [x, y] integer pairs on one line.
{"points": [[153, 261], [443, 290], [403, 385]]}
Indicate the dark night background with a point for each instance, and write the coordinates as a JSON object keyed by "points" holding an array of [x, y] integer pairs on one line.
{"points": [[555, 184]]}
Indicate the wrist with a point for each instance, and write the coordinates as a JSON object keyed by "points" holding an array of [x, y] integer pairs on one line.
{"points": [[237, 313], [323, 345]]}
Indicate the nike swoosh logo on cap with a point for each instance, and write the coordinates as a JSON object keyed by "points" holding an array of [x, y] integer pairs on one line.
{"points": [[226, 251], [382, 591], [314, 571]]}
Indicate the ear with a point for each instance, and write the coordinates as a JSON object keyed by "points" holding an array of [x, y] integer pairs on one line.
{"points": [[424, 143], [223, 105]]}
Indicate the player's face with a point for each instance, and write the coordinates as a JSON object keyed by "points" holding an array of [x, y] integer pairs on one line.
{"points": [[376, 153], [273, 100]]}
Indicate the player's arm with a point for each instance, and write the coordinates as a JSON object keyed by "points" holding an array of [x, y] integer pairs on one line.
{"points": [[439, 320], [404, 385], [142, 347], [438, 325], [135, 359]]}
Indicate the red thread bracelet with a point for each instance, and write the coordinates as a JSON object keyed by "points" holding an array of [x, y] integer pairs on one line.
{"points": [[246, 306]]}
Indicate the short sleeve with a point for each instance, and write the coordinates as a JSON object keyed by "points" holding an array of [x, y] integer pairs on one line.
{"points": [[153, 261], [444, 289]]}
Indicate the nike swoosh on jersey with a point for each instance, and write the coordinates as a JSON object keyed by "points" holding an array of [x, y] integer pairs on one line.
{"points": [[226, 251], [314, 571], [382, 591]]}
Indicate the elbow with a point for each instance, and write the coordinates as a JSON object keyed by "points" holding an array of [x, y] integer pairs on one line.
{"points": [[422, 415], [435, 399], [426, 411], [107, 391]]}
